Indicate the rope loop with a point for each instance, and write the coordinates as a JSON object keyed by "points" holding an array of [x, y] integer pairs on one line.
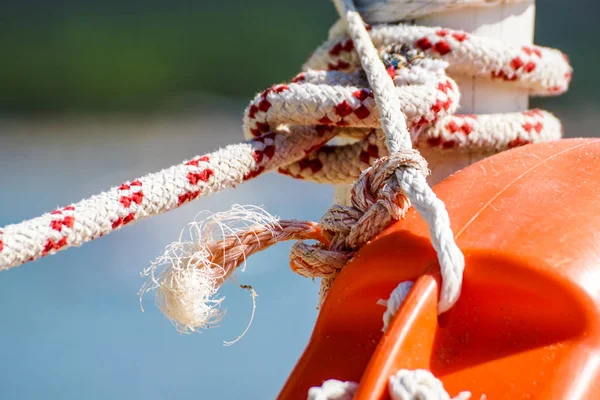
{"points": [[377, 200]]}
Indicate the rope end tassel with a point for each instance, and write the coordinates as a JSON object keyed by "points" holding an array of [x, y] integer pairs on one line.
{"points": [[188, 274]]}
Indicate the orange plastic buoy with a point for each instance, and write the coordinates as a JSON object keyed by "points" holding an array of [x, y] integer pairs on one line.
{"points": [[527, 324]]}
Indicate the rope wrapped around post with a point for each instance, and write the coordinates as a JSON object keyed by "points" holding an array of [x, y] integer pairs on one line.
{"points": [[400, 175], [387, 87]]}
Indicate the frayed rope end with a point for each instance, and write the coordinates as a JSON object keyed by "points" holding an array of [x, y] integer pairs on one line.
{"points": [[188, 274]]}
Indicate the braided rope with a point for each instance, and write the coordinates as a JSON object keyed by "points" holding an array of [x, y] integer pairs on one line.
{"points": [[333, 390], [412, 384], [542, 71], [154, 194], [330, 98], [343, 91], [393, 122]]}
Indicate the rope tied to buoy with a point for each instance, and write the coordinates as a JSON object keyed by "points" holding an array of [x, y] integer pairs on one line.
{"points": [[387, 87], [382, 193], [405, 384]]}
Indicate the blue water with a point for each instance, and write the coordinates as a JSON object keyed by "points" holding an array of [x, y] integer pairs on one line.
{"points": [[72, 327]]}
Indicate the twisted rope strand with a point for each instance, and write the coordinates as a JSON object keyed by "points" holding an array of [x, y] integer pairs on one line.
{"points": [[420, 384], [393, 123]]}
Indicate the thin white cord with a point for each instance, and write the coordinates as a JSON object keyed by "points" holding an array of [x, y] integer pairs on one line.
{"points": [[411, 181]]}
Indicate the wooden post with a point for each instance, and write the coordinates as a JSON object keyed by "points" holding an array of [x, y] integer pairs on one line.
{"points": [[512, 23]]}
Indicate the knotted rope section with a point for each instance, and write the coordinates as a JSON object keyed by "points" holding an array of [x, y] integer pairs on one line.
{"points": [[349, 89], [382, 194]]}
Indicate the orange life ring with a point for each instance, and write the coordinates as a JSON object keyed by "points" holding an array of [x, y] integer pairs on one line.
{"points": [[527, 324]]}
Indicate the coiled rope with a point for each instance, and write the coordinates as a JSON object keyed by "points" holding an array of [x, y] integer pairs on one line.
{"points": [[344, 90]]}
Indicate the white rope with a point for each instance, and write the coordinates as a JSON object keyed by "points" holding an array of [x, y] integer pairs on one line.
{"points": [[333, 390], [541, 70], [433, 210], [154, 194], [412, 384], [420, 385], [394, 302], [393, 122], [315, 98], [410, 180]]}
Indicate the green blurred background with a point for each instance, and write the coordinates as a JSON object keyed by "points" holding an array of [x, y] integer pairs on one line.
{"points": [[141, 56], [93, 93]]}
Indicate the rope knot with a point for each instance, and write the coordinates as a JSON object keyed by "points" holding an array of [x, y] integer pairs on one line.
{"points": [[377, 195], [377, 200], [315, 261]]}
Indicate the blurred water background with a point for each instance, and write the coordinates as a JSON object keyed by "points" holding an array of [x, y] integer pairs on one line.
{"points": [[95, 93]]}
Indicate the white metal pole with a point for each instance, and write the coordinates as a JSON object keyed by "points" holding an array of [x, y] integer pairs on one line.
{"points": [[512, 23]]}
